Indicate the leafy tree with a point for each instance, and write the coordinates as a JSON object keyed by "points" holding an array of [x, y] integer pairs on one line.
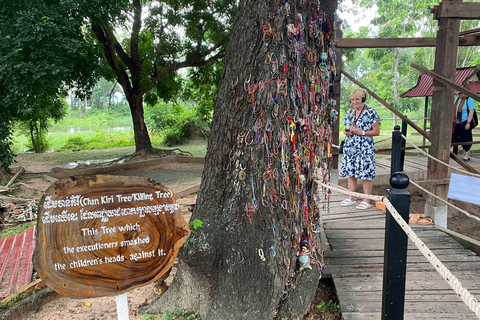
{"points": [[157, 48], [42, 52], [64, 44]]}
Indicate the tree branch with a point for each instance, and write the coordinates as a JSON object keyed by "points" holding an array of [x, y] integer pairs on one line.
{"points": [[137, 24], [109, 47], [195, 60]]}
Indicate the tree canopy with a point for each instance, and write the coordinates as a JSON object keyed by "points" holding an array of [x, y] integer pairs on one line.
{"points": [[49, 46]]}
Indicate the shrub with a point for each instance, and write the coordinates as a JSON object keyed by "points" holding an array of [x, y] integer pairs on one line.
{"points": [[178, 122]]}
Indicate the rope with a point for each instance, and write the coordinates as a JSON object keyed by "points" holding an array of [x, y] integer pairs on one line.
{"points": [[444, 201], [439, 161], [452, 281]]}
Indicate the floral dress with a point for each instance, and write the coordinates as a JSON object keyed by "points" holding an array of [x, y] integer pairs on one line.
{"points": [[358, 159]]}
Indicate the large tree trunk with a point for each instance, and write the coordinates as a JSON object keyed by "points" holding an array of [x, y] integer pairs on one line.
{"points": [[271, 129], [143, 144]]}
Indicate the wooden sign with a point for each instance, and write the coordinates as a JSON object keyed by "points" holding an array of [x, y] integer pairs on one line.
{"points": [[102, 235]]}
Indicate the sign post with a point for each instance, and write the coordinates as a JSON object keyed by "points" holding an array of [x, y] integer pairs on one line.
{"points": [[122, 306], [102, 235]]}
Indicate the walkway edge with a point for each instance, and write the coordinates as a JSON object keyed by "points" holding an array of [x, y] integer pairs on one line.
{"points": [[466, 242]]}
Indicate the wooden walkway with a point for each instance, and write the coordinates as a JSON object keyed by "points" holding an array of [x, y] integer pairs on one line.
{"points": [[415, 167], [355, 262]]}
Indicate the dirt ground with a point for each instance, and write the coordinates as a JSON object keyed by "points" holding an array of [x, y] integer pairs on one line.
{"points": [[32, 185]]}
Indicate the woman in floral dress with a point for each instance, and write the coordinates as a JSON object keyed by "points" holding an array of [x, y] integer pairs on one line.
{"points": [[358, 161]]}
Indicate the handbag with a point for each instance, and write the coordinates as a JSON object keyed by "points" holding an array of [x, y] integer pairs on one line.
{"points": [[474, 122], [340, 150]]}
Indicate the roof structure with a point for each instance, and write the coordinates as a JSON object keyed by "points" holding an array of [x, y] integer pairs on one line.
{"points": [[467, 77], [16, 266]]}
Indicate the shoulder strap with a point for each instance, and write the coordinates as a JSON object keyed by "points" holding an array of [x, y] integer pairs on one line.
{"points": [[462, 103]]}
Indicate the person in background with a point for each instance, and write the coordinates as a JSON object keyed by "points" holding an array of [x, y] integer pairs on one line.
{"points": [[461, 131], [358, 160]]}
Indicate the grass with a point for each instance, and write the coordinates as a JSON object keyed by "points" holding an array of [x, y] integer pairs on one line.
{"points": [[15, 228]]}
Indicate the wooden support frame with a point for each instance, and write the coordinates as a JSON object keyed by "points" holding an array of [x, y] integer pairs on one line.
{"points": [[457, 10], [410, 122], [464, 41]]}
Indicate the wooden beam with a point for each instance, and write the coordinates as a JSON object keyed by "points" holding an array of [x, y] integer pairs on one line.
{"points": [[446, 49], [401, 116], [385, 42], [458, 10], [433, 182], [445, 81], [389, 107], [465, 41], [476, 30]]}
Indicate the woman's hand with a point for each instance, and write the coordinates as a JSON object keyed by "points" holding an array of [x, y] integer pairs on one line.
{"points": [[356, 131], [467, 126]]}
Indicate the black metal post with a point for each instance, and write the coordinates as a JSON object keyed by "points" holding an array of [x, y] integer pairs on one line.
{"points": [[402, 152], [396, 164], [395, 254]]}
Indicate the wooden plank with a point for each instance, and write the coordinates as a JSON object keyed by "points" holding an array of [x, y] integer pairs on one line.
{"points": [[437, 307], [379, 233], [379, 253], [407, 316], [410, 260], [343, 270], [415, 278], [19, 172], [361, 242], [425, 296], [465, 41], [458, 10], [358, 285]]}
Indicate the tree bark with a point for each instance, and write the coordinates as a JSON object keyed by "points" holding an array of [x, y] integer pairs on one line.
{"points": [[271, 130], [32, 137], [142, 138]]}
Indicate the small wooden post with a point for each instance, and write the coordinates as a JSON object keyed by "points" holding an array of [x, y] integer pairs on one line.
{"points": [[425, 115], [395, 254]]}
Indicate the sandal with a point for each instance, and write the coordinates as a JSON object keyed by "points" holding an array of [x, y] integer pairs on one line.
{"points": [[424, 221], [347, 202], [363, 205]]}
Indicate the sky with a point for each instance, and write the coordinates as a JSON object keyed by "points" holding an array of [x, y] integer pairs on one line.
{"points": [[355, 21]]}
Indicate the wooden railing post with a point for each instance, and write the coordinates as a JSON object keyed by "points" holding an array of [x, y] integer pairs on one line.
{"points": [[395, 250]]}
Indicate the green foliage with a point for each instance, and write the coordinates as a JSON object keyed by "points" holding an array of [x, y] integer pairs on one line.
{"points": [[6, 144], [194, 225], [60, 45], [75, 143], [173, 314], [37, 132], [330, 306], [102, 140], [177, 122]]}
